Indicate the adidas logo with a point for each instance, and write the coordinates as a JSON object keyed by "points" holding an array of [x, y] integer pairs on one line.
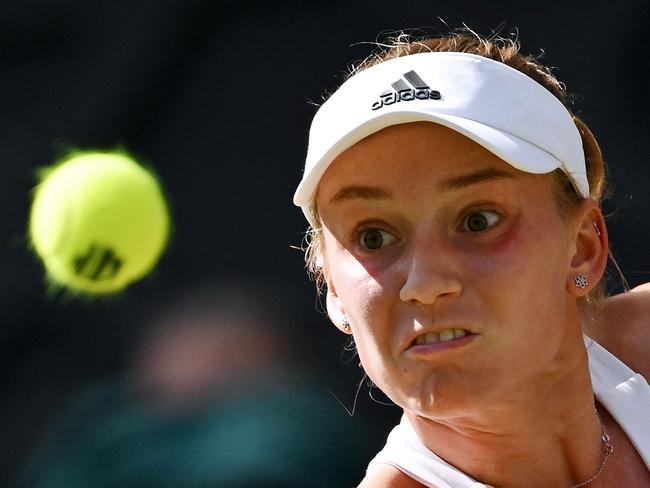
{"points": [[418, 89]]}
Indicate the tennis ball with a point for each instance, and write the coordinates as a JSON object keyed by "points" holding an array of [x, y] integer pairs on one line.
{"points": [[98, 221]]}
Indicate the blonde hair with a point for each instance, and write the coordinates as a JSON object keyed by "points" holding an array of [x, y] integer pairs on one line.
{"points": [[507, 51]]}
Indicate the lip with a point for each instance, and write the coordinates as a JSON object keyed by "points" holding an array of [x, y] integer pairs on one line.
{"points": [[426, 349]]}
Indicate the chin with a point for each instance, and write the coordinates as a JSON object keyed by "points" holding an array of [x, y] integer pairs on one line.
{"points": [[441, 397]]}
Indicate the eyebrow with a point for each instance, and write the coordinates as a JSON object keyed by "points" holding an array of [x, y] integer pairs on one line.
{"points": [[463, 181], [351, 192]]}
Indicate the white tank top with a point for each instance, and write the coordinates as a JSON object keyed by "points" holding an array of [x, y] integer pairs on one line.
{"points": [[624, 393]]}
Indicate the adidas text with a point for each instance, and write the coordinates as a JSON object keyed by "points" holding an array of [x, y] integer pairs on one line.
{"points": [[405, 96]]}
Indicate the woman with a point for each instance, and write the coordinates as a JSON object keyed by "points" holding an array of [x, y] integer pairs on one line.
{"points": [[454, 205]]}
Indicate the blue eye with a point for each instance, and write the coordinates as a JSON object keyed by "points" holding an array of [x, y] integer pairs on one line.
{"points": [[372, 239], [480, 221]]}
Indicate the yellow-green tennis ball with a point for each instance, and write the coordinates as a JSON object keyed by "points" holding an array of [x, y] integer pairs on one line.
{"points": [[98, 221]]}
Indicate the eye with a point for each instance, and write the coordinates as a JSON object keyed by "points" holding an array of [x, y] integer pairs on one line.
{"points": [[480, 221], [375, 238]]}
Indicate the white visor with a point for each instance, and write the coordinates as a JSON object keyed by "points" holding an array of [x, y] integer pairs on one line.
{"points": [[495, 105]]}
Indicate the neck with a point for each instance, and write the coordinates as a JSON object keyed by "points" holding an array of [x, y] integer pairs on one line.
{"points": [[548, 434]]}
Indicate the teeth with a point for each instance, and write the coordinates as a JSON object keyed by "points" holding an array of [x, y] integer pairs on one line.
{"points": [[446, 335], [430, 338], [442, 336], [459, 333]]}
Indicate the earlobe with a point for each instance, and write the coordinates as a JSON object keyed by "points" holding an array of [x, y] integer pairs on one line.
{"points": [[591, 251], [335, 309]]}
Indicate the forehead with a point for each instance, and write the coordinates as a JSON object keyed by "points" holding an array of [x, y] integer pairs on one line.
{"points": [[407, 154]]}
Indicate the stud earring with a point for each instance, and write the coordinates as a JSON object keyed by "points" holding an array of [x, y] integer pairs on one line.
{"points": [[346, 325], [581, 281]]}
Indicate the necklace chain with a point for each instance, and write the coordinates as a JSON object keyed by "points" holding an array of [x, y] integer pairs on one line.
{"points": [[608, 448]]}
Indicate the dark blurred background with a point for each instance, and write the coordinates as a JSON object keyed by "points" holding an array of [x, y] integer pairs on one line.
{"points": [[216, 96]]}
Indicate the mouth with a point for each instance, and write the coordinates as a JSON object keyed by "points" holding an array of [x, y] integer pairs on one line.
{"points": [[445, 335], [441, 340]]}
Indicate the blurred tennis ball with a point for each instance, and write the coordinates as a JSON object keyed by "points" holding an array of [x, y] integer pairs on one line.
{"points": [[98, 221]]}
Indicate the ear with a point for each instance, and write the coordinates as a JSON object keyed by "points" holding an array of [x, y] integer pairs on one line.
{"points": [[591, 249], [335, 309]]}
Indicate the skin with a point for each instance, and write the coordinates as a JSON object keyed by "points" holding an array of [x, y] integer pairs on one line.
{"points": [[511, 403]]}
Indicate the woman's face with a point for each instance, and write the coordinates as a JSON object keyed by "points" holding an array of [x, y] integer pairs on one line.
{"points": [[450, 265]]}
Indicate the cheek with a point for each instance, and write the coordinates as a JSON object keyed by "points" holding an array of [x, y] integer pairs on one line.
{"points": [[523, 271], [359, 291], [523, 252], [369, 302], [508, 256]]}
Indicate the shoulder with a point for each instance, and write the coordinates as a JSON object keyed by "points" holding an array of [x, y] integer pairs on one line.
{"points": [[387, 476], [623, 328]]}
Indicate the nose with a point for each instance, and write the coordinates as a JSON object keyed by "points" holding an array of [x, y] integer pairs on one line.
{"points": [[430, 275]]}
